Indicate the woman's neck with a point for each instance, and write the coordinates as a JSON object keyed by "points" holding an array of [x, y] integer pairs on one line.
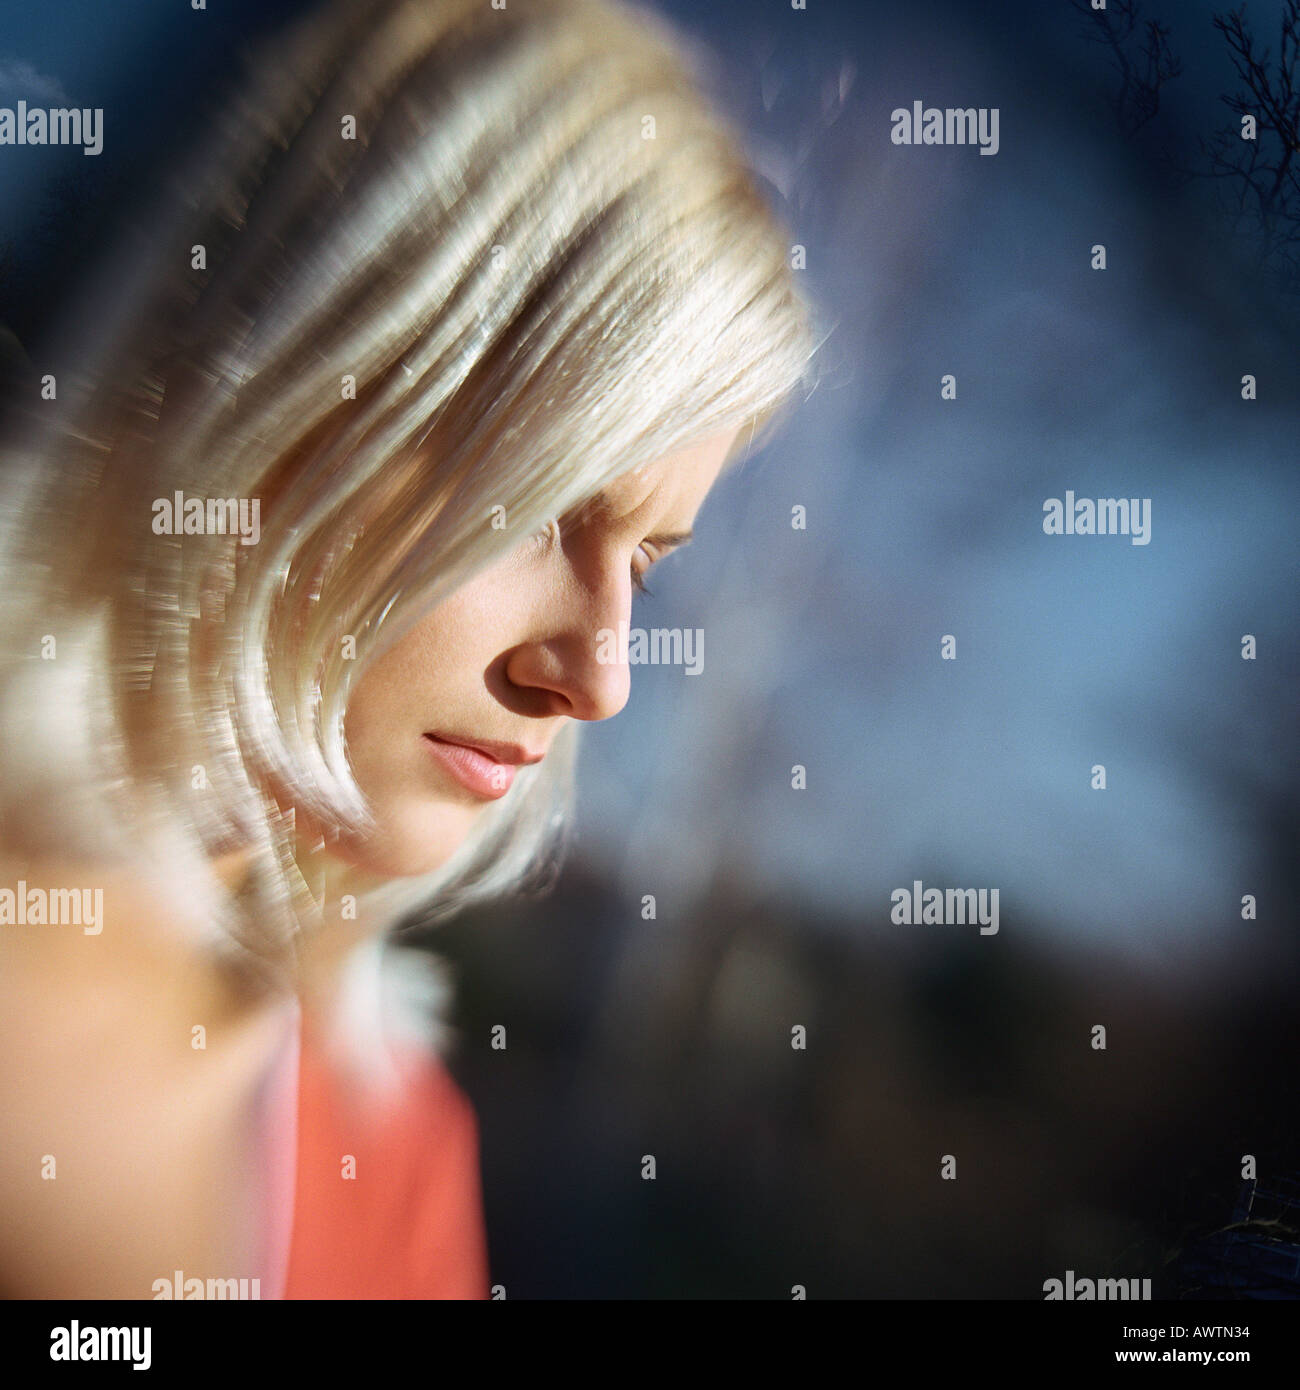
{"points": [[322, 953]]}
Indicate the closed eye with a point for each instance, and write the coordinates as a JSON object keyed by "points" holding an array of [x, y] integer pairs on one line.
{"points": [[656, 547], [653, 548]]}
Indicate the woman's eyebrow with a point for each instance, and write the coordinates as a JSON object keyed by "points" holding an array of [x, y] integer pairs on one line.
{"points": [[600, 505]]}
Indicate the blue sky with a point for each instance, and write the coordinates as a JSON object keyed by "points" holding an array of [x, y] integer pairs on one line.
{"points": [[926, 520]]}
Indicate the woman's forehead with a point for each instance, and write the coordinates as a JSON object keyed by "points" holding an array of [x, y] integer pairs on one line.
{"points": [[679, 481]]}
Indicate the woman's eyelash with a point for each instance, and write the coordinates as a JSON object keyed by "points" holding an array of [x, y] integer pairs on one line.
{"points": [[552, 531], [638, 576]]}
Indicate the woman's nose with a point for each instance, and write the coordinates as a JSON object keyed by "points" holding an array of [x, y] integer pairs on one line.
{"points": [[578, 660]]}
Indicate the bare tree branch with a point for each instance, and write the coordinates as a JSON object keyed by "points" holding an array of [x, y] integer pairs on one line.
{"points": [[1144, 64], [1263, 172]]}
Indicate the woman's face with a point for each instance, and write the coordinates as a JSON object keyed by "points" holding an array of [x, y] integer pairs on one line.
{"points": [[507, 660]]}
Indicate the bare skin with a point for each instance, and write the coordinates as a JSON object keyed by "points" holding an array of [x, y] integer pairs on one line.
{"points": [[127, 1149]]}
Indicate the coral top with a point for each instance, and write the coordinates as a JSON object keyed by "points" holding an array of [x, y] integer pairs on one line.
{"points": [[387, 1202]]}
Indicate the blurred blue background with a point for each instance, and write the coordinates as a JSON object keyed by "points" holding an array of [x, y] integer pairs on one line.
{"points": [[925, 516], [822, 648]]}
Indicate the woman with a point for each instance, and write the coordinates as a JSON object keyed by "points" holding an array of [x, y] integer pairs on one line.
{"points": [[464, 312]]}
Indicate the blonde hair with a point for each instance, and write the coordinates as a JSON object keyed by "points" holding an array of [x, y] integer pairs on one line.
{"points": [[540, 258]]}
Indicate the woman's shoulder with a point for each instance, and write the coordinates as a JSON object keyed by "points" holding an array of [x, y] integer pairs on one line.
{"points": [[88, 895], [126, 1059]]}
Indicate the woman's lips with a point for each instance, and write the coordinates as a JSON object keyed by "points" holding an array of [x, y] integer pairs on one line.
{"points": [[472, 768]]}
